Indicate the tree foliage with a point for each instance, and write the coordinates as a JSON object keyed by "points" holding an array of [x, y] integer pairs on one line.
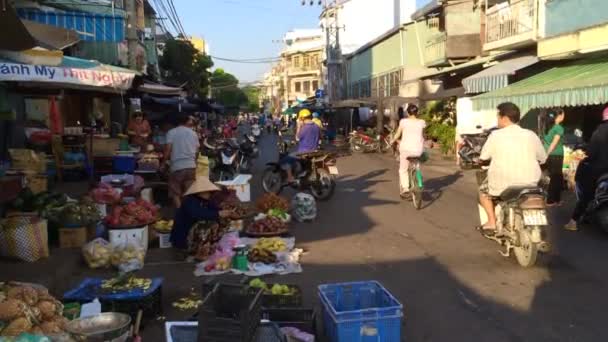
{"points": [[225, 89], [182, 63], [253, 98]]}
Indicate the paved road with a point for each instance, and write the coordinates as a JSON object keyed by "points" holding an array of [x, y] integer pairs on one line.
{"points": [[454, 285]]}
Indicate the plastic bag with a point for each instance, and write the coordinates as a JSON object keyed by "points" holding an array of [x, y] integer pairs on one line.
{"points": [[304, 207], [97, 253], [128, 256]]}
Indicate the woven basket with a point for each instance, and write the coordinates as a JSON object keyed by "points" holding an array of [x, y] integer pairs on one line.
{"points": [[24, 238]]}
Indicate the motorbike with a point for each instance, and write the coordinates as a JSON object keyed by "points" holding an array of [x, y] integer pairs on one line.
{"points": [[256, 130], [316, 173], [522, 224], [471, 146], [234, 157], [361, 142]]}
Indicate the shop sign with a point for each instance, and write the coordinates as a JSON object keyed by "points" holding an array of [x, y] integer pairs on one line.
{"points": [[84, 77]]}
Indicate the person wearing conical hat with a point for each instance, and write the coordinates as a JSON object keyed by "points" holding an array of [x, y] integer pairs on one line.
{"points": [[196, 206]]}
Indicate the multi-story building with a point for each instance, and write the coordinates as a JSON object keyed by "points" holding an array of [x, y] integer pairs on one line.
{"points": [[301, 65]]}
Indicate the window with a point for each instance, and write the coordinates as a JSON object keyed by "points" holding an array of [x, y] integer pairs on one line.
{"points": [[315, 85], [306, 86], [306, 62], [314, 60], [298, 87], [295, 60]]}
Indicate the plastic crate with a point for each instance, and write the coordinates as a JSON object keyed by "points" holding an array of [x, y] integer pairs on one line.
{"points": [[123, 164], [299, 318], [282, 301], [360, 312], [230, 313]]}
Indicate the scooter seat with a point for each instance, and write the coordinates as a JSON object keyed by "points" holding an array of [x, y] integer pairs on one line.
{"points": [[516, 192]]}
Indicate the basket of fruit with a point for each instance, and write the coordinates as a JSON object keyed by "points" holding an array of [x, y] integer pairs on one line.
{"points": [[278, 295], [267, 226]]}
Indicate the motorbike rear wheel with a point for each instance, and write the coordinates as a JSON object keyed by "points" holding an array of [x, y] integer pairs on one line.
{"points": [[272, 180], [527, 251], [324, 188], [356, 145]]}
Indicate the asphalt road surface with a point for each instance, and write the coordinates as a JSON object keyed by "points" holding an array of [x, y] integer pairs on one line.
{"points": [[454, 284]]}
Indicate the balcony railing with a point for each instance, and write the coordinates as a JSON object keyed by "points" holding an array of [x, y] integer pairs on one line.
{"points": [[509, 20], [300, 69], [435, 49]]}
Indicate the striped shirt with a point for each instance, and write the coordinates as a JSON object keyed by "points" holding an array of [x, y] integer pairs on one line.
{"points": [[516, 155]]}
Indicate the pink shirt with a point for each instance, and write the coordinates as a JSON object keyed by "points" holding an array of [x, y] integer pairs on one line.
{"points": [[412, 135]]}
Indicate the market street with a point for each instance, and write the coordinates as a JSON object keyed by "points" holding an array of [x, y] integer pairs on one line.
{"points": [[453, 284]]}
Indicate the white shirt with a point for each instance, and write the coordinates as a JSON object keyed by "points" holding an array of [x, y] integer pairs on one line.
{"points": [[184, 148], [516, 155], [412, 136]]}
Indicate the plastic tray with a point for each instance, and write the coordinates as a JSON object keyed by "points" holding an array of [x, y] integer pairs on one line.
{"points": [[360, 311], [90, 288]]}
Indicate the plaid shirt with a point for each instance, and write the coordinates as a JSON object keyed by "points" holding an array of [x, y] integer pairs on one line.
{"points": [[516, 155]]}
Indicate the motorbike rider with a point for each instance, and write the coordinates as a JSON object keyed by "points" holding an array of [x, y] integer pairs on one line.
{"points": [[590, 170], [515, 155], [411, 129], [308, 140]]}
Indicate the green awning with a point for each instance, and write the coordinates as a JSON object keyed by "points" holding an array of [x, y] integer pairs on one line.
{"points": [[497, 76], [581, 83]]}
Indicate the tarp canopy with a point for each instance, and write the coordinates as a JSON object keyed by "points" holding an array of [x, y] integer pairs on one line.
{"points": [[580, 83], [159, 89], [51, 37], [75, 72], [497, 76]]}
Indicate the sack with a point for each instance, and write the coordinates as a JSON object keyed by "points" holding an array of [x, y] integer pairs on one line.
{"points": [[202, 166], [97, 253], [24, 238], [27, 160], [128, 256], [304, 207]]}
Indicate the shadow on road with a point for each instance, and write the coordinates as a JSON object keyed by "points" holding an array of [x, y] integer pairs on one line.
{"points": [[434, 187]]}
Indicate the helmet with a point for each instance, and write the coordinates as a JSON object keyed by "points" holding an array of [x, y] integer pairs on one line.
{"points": [[412, 109], [304, 113], [315, 115]]}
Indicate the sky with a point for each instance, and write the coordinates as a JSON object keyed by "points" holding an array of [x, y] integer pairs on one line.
{"points": [[246, 29]]}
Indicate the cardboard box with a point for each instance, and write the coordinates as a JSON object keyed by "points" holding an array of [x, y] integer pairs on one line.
{"points": [[72, 237]]}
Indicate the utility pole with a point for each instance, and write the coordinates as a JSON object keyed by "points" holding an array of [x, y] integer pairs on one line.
{"points": [[132, 39], [333, 51]]}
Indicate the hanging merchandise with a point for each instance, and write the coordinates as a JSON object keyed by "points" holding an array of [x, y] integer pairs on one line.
{"points": [[304, 207]]}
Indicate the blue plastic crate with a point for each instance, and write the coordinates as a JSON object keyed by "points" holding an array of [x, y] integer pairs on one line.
{"points": [[90, 288], [123, 164], [360, 312]]}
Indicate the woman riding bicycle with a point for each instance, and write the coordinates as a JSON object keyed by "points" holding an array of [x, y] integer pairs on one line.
{"points": [[411, 132]]}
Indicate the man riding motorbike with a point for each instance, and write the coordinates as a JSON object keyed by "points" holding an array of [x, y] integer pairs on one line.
{"points": [[308, 140], [515, 155], [590, 170]]}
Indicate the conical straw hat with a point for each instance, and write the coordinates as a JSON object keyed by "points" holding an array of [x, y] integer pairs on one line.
{"points": [[201, 184]]}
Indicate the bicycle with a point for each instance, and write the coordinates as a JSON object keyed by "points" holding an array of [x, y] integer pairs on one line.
{"points": [[416, 182]]}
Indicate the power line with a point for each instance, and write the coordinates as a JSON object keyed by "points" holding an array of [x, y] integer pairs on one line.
{"points": [[248, 61]]}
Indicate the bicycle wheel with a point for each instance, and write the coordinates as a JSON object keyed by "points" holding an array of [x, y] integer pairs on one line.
{"points": [[415, 190]]}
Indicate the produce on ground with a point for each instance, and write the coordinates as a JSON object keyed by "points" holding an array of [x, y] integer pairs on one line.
{"points": [[126, 283], [276, 289], [271, 244], [106, 194], [140, 212], [188, 303], [81, 213], [204, 237], [278, 213], [271, 201], [127, 254], [43, 203], [221, 264], [267, 225], [261, 255], [164, 226], [29, 309], [97, 253]]}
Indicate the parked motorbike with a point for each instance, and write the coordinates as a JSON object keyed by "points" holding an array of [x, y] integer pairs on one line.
{"points": [[521, 222], [234, 157], [316, 173], [361, 142], [470, 150]]}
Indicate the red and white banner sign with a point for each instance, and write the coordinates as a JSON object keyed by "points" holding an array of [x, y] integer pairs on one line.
{"points": [[85, 77]]}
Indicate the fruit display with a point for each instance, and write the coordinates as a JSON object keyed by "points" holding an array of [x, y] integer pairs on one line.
{"points": [[221, 264], [276, 289], [97, 253], [188, 303], [126, 283], [81, 213], [261, 255], [271, 244], [279, 213], [42, 203], [137, 213], [164, 226], [204, 238], [271, 201], [29, 309], [105, 194], [240, 210], [224, 195], [267, 226]]}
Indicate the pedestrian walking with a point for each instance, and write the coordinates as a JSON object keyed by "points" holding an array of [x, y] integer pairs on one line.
{"points": [[554, 145]]}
